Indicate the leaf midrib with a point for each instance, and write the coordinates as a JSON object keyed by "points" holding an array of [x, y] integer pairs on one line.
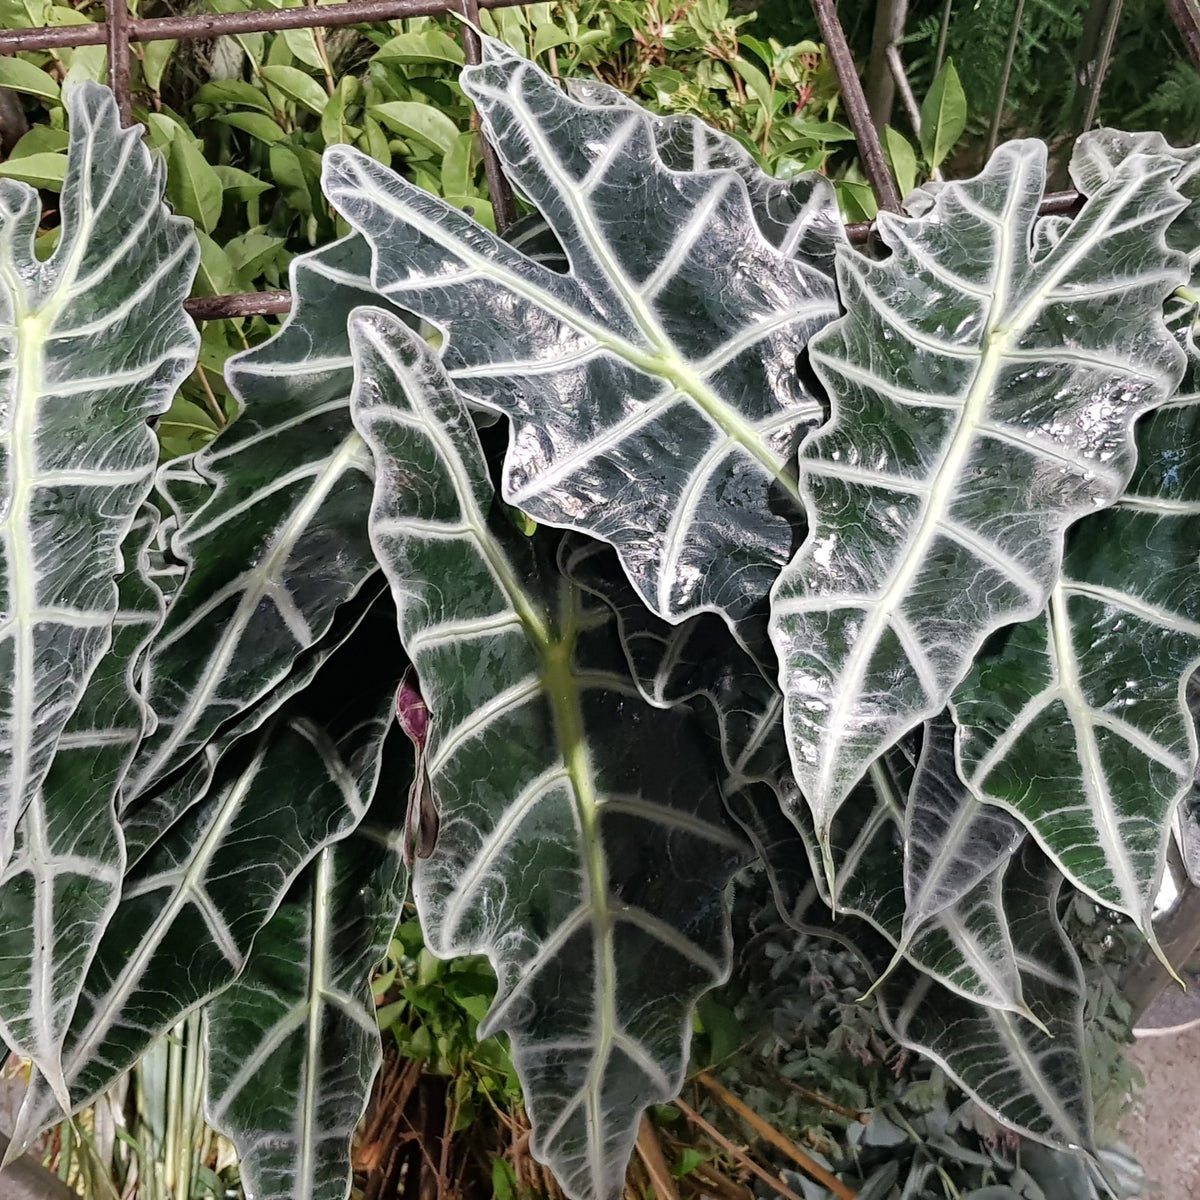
{"points": [[672, 367], [998, 337], [668, 366]]}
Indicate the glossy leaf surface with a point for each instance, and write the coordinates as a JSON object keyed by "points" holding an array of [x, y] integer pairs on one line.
{"points": [[1079, 723], [63, 883], [193, 904], [1035, 1080], [588, 865], [277, 540], [293, 1045], [652, 389], [93, 342], [984, 385]]}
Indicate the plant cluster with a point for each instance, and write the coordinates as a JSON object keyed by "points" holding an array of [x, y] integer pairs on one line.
{"points": [[705, 536], [241, 123]]}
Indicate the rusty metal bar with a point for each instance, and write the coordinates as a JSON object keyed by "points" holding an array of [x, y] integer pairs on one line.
{"points": [[116, 13], [208, 25], [504, 206], [242, 304], [870, 148], [1186, 15]]}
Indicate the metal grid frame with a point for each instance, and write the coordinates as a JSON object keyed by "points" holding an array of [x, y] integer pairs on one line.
{"points": [[120, 30]]}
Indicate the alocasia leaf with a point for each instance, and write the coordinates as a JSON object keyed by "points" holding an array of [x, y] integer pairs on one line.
{"points": [[147, 818], [795, 215], [293, 1045], [984, 386], [1030, 1074], [278, 540], [952, 841], [966, 946], [652, 389], [962, 941], [192, 905], [1032, 1077], [93, 342], [1091, 694], [64, 880], [587, 863]]}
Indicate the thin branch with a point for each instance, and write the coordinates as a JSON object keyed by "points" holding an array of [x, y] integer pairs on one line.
{"points": [[650, 1151], [943, 33], [721, 1140], [1186, 15], [1098, 68], [1006, 75], [783, 1144], [866, 135]]}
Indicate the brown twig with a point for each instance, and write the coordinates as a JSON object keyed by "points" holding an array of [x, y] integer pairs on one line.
{"points": [[870, 148], [772, 1181], [650, 1151], [504, 206], [851, 1113], [116, 14], [1186, 15], [769, 1133]]}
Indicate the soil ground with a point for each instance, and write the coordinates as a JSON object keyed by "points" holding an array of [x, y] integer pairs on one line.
{"points": [[1164, 1132]]}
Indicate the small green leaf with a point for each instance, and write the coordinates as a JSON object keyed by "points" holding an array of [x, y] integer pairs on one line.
{"points": [[216, 275], [43, 170], [425, 46], [549, 37], [375, 142], [193, 187], [298, 86], [22, 76], [257, 125], [234, 91], [155, 57], [757, 82], [332, 119], [458, 172], [411, 119], [943, 116], [241, 183], [689, 1159], [902, 158], [40, 139], [303, 44]]}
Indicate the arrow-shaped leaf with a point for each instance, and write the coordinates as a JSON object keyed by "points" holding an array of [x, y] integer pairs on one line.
{"points": [[589, 866], [1031, 1075], [962, 941], [278, 540], [984, 386], [64, 880], [93, 342], [191, 907], [652, 389], [1079, 723], [1033, 1078], [292, 1045]]}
